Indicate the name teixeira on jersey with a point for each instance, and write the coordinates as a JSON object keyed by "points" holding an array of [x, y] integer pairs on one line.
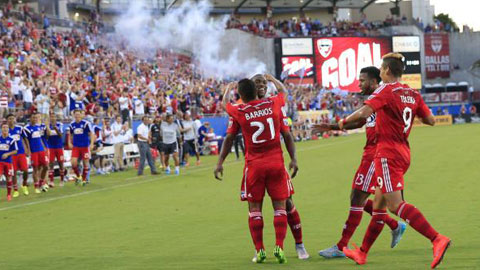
{"points": [[259, 113]]}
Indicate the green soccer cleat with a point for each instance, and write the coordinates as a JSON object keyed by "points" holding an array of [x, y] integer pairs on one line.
{"points": [[279, 254], [260, 257]]}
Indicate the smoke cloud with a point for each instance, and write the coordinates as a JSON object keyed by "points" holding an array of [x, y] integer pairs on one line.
{"points": [[188, 27]]}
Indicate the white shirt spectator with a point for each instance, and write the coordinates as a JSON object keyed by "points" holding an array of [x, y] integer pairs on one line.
{"points": [[116, 127], [127, 136], [123, 103], [43, 103], [142, 130], [191, 133], [170, 132], [108, 136], [28, 95], [138, 105], [198, 124]]}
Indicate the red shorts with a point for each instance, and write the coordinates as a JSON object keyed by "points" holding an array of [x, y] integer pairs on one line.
{"points": [[271, 176], [389, 174], [6, 169], [363, 177], [81, 152], [39, 159], [56, 154], [20, 162]]}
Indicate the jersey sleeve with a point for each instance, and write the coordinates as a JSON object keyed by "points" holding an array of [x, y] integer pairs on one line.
{"points": [[88, 128], [25, 132], [378, 99], [279, 99], [423, 110], [231, 110], [233, 126], [13, 146], [70, 129]]}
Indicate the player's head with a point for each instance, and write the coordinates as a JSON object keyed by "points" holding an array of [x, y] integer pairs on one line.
{"points": [[53, 118], [119, 119], [392, 67], [4, 129], [260, 84], [247, 90], [78, 114], [169, 118], [11, 120], [145, 120], [369, 79]]}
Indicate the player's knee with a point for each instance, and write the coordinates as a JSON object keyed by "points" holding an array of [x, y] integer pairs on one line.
{"points": [[393, 206], [289, 204]]}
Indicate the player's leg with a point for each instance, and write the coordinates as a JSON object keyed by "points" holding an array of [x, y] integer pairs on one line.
{"points": [[14, 176], [417, 221], [280, 224], [293, 219], [176, 159], [166, 159], [255, 225], [43, 176], [8, 175], [186, 152], [51, 164], [76, 170], [61, 167], [86, 164]]}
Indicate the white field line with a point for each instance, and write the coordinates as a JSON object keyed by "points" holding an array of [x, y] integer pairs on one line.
{"points": [[150, 179]]}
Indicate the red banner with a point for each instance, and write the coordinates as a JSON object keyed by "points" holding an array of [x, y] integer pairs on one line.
{"points": [[452, 97], [437, 55], [339, 60], [431, 98], [297, 66]]}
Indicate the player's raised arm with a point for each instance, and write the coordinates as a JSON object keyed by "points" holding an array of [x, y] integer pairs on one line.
{"points": [[278, 84], [227, 94], [327, 127], [291, 149], [226, 148]]}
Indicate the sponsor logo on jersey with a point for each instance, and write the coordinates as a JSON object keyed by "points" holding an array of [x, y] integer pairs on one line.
{"points": [[4, 147], [16, 137], [78, 131], [36, 134]]}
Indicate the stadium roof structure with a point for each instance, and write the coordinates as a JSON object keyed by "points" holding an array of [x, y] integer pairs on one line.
{"points": [[283, 4]]}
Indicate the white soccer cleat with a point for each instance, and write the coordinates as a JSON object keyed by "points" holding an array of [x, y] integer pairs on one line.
{"points": [[332, 252], [301, 251]]}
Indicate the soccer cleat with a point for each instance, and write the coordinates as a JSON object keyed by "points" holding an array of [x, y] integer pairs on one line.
{"points": [[167, 171], [301, 251], [279, 254], [25, 190], [440, 246], [398, 233], [16, 194], [51, 184], [37, 190], [84, 183], [177, 171], [332, 252], [9, 197], [45, 188], [356, 254], [260, 256], [77, 180]]}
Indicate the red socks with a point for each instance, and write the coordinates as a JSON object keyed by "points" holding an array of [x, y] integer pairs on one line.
{"points": [[62, 175], [392, 223], [414, 217], [255, 223], [84, 173], [353, 220], [280, 224], [9, 187], [76, 171], [374, 229], [293, 219], [50, 175]]}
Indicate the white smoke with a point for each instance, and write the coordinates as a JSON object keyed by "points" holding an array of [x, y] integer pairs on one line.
{"points": [[188, 27]]}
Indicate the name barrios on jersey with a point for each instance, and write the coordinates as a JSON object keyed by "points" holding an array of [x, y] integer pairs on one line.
{"points": [[259, 113]]}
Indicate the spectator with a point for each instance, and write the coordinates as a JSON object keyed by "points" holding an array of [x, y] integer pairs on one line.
{"points": [[123, 102], [117, 140], [144, 140], [42, 102]]}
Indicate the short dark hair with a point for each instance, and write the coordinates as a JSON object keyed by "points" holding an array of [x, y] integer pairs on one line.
{"points": [[394, 62], [372, 73], [246, 89], [9, 115]]}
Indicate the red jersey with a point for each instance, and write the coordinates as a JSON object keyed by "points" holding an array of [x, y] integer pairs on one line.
{"points": [[261, 122], [396, 106]]}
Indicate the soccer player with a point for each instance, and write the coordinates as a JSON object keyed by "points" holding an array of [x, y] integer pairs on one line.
{"points": [[396, 106], [80, 141], [170, 133], [293, 217], [260, 121], [19, 160], [36, 149], [8, 148], [54, 131], [362, 185], [190, 139]]}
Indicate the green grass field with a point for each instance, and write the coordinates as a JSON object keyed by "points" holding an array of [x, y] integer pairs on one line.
{"points": [[122, 221]]}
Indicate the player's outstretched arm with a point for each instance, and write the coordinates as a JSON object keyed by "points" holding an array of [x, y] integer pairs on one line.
{"points": [[429, 120], [359, 115], [327, 127], [290, 145], [226, 148]]}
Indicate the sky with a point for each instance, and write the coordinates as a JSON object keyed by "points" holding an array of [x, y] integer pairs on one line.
{"points": [[461, 11]]}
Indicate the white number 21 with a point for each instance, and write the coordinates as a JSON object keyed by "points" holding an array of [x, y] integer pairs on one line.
{"points": [[407, 118], [261, 128]]}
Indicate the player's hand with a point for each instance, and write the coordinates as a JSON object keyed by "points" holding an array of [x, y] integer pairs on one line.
{"points": [[4, 156], [323, 127], [293, 168], [218, 171]]}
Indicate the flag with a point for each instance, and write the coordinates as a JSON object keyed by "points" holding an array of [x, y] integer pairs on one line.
{"points": [[284, 74], [300, 73]]}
